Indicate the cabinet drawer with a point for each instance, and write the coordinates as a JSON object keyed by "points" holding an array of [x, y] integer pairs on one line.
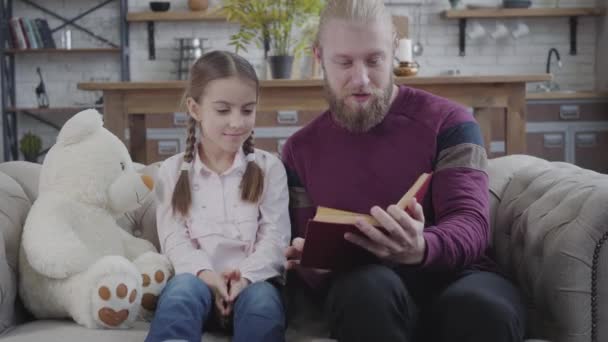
{"points": [[169, 120], [547, 145], [591, 150], [567, 111]]}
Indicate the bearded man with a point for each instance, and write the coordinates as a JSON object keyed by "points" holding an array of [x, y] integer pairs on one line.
{"points": [[434, 280]]}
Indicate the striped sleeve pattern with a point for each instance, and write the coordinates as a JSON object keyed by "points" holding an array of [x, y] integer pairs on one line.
{"points": [[459, 236]]}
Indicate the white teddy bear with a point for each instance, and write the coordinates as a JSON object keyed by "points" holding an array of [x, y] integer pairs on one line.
{"points": [[75, 261]]}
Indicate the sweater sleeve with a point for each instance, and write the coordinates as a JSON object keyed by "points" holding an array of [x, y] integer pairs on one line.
{"points": [[460, 234], [301, 209]]}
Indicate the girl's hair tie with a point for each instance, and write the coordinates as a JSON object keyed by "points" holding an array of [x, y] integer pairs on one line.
{"points": [[185, 166]]}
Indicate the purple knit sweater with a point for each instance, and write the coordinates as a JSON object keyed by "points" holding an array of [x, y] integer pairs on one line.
{"points": [[330, 166]]}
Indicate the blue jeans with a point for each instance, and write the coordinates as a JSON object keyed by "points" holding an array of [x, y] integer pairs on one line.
{"points": [[186, 304]]}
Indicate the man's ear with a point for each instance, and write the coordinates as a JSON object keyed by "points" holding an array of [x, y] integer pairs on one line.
{"points": [[316, 50], [193, 109]]}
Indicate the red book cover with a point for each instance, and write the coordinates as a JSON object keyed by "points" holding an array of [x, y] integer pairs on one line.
{"points": [[325, 246]]}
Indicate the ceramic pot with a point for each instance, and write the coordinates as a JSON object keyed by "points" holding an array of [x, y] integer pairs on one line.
{"points": [[198, 5]]}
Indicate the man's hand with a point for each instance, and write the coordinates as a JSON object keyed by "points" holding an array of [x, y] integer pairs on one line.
{"points": [[219, 287], [294, 254], [403, 241]]}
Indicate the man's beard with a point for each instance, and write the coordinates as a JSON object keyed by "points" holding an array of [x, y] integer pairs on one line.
{"points": [[364, 118]]}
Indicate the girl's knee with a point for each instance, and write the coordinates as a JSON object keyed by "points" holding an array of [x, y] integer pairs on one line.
{"points": [[261, 298], [188, 287]]}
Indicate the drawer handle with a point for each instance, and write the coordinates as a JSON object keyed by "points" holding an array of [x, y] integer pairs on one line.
{"points": [[569, 112], [553, 140], [168, 148], [180, 118], [287, 117], [586, 140]]}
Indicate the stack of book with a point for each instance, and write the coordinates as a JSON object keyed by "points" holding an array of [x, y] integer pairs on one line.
{"points": [[31, 34]]}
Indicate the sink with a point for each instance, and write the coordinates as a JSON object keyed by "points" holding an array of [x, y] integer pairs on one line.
{"points": [[540, 91], [550, 87]]}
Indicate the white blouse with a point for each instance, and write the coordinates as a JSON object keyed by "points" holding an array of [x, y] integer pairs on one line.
{"points": [[223, 232]]}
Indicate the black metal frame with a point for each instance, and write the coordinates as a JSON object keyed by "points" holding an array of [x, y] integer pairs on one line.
{"points": [[7, 64]]}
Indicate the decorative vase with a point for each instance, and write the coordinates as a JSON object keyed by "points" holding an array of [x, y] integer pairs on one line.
{"points": [[280, 66], [198, 5], [454, 3]]}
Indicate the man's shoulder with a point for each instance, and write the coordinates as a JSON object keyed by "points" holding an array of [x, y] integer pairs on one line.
{"points": [[439, 112]]}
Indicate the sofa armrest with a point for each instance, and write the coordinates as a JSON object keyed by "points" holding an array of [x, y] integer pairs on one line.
{"points": [[550, 236], [14, 206], [8, 291]]}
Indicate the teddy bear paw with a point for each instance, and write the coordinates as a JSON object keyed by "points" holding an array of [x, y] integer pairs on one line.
{"points": [[152, 286], [115, 302]]}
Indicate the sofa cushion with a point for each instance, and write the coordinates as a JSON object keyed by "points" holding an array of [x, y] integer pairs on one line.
{"points": [[500, 172], [548, 222], [61, 331], [26, 174], [8, 291]]}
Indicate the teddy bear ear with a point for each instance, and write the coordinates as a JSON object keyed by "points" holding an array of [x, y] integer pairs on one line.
{"points": [[79, 127]]}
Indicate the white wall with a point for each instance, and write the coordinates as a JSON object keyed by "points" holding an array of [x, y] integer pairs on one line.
{"points": [[439, 36]]}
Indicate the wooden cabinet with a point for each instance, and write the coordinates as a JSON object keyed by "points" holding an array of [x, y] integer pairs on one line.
{"points": [[549, 145], [570, 130], [575, 131], [591, 149], [165, 134]]}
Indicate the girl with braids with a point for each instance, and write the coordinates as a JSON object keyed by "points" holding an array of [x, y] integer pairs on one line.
{"points": [[222, 214]]}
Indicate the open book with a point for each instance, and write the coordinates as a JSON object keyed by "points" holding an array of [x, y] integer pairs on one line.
{"points": [[325, 245]]}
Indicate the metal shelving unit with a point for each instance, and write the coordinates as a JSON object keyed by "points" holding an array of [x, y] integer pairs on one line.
{"points": [[8, 98]]}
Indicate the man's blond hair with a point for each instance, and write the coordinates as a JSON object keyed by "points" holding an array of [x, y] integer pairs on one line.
{"points": [[353, 11]]}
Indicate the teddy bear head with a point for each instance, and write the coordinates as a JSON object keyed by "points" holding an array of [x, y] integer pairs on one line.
{"points": [[91, 165]]}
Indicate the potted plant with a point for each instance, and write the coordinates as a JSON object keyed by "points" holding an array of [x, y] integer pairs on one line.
{"points": [[30, 145], [272, 26]]}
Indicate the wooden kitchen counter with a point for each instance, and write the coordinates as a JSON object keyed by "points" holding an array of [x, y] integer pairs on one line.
{"points": [[126, 104]]}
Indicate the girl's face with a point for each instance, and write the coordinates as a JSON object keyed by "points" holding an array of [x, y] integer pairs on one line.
{"points": [[226, 113]]}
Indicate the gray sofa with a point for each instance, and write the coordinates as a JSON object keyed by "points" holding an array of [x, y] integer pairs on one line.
{"points": [[549, 221]]}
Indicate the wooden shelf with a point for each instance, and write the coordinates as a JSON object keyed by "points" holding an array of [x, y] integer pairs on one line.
{"points": [[522, 13], [212, 15], [63, 51], [506, 13], [150, 18], [51, 110]]}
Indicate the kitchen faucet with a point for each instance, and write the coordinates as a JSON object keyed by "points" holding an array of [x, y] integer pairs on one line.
{"points": [[559, 59], [551, 85]]}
